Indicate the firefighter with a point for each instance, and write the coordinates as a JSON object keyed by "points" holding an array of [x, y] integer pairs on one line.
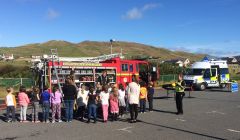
{"points": [[179, 88], [103, 79]]}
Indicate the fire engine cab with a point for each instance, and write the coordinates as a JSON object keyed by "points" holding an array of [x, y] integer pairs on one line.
{"points": [[51, 70]]}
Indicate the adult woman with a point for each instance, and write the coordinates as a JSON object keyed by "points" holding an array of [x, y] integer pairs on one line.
{"points": [[70, 94], [133, 98]]}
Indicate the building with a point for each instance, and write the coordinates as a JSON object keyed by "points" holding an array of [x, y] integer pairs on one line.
{"points": [[233, 65], [179, 62], [7, 57]]}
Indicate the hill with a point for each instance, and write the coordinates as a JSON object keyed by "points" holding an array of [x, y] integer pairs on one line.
{"points": [[94, 48]]}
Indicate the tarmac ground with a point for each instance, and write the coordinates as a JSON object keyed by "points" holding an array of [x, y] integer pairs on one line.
{"points": [[211, 114]]}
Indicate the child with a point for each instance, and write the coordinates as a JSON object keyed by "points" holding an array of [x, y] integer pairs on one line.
{"points": [[99, 105], [10, 101], [104, 97], [82, 101], [121, 98], [35, 104], [45, 99], [110, 89], [143, 98], [150, 96], [55, 99], [92, 105], [126, 97], [23, 101], [114, 104]]}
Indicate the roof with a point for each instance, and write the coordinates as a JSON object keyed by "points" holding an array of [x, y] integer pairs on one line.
{"points": [[230, 60], [237, 57]]}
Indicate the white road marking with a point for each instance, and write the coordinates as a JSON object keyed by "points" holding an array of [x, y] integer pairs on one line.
{"points": [[215, 112], [231, 130], [125, 129], [181, 120]]}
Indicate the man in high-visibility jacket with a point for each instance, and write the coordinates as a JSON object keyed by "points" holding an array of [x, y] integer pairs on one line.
{"points": [[179, 88]]}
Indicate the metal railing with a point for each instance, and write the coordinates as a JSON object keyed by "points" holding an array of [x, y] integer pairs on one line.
{"points": [[15, 82]]}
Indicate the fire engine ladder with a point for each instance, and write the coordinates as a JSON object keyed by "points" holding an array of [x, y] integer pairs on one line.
{"points": [[55, 58], [90, 59]]}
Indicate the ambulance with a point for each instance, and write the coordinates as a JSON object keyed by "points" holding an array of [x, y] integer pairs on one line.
{"points": [[207, 74]]}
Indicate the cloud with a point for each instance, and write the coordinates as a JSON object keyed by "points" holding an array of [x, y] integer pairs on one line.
{"points": [[220, 49], [134, 13], [52, 14], [137, 13], [150, 6]]}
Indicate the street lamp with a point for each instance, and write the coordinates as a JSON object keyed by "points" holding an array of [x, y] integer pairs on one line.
{"points": [[111, 41]]}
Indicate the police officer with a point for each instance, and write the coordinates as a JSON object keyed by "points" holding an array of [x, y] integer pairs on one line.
{"points": [[179, 88]]}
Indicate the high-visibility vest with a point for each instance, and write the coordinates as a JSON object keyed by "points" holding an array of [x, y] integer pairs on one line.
{"points": [[179, 88]]}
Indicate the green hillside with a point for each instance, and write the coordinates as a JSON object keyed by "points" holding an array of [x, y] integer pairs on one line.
{"points": [[94, 48]]}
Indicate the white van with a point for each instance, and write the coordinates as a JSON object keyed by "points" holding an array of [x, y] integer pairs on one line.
{"points": [[207, 74]]}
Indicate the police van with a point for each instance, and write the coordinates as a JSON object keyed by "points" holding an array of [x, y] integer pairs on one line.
{"points": [[207, 74]]}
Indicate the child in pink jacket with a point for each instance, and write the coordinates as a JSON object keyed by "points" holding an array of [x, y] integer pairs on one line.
{"points": [[55, 100], [23, 101], [114, 104]]}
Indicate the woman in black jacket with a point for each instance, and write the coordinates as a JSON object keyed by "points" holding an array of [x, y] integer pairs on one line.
{"points": [[70, 94]]}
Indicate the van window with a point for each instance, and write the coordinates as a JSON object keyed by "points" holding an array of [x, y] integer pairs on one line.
{"points": [[214, 72], [124, 67], [195, 71], [224, 71], [131, 67], [207, 73]]}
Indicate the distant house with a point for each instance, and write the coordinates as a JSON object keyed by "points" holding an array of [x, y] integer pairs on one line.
{"points": [[35, 57], [233, 64], [7, 57], [179, 62]]}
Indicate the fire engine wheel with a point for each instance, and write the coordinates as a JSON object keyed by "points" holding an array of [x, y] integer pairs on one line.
{"points": [[202, 87]]}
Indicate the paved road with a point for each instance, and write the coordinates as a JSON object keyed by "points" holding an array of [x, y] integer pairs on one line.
{"points": [[209, 115]]}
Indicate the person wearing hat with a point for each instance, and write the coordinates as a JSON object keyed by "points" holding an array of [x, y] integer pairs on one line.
{"points": [[179, 88]]}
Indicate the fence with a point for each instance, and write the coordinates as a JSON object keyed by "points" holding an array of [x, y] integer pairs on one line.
{"points": [[15, 82], [167, 78], [28, 82]]}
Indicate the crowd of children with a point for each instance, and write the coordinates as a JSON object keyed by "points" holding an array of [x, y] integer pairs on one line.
{"points": [[112, 101]]}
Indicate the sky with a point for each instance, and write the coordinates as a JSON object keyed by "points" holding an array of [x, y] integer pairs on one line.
{"points": [[198, 26]]}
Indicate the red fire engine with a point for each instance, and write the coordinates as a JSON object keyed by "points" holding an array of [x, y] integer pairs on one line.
{"points": [[87, 70]]}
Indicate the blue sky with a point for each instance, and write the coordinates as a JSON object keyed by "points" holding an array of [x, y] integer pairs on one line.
{"points": [[200, 26]]}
